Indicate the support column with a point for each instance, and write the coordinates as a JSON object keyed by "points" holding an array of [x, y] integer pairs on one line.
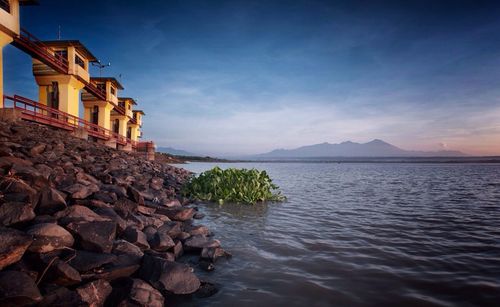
{"points": [[105, 115], [4, 41], [69, 92]]}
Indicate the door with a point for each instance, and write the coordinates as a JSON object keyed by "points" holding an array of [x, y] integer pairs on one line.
{"points": [[116, 126], [129, 132]]}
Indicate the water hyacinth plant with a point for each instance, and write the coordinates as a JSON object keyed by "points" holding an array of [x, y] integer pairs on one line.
{"points": [[233, 185]]}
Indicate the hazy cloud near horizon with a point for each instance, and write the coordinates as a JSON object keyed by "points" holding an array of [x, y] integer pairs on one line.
{"points": [[245, 77]]}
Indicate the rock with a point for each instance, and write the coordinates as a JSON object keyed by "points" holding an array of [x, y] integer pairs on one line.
{"points": [[120, 192], [61, 273], [172, 203], [85, 261], [109, 213], [48, 237], [149, 232], [37, 149], [183, 236], [112, 272], [18, 289], [107, 197], [18, 186], [125, 207], [95, 236], [51, 201], [206, 265], [168, 276], [136, 237], [95, 293], [161, 242], [78, 213], [61, 297], [207, 289], [8, 161], [200, 242], [178, 250], [214, 253], [142, 294], [198, 216], [180, 214], [80, 191], [197, 230], [13, 245], [127, 252], [146, 210], [156, 184], [172, 229], [16, 212], [135, 195]]}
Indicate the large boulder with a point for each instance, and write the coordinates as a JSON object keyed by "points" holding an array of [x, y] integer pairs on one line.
{"points": [[177, 214], [85, 261], [16, 212], [136, 237], [13, 245], [94, 236], [48, 237], [80, 191], [18, 289], [199, 242], [162, 242], [78, 213], [142, 294], [168, 276]]}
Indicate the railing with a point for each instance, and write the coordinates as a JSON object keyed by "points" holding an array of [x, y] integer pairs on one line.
{"points": [[34, 111], [92, 88], [33, 46]]}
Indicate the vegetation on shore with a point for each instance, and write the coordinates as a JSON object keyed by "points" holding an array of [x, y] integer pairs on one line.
{"points": [[248, 186]]}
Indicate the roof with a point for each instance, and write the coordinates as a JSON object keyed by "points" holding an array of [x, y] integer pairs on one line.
{"points": [[28, 2], [139, 111], [73, 43], [127, 98], [112, 79]]}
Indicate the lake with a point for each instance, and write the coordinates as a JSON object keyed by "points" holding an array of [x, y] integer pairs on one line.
{"points": [[361, 234]]}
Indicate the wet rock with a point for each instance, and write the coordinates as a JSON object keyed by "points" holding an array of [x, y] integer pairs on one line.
{"points": [[214, 253], [85, 261], [80, 191], [18, 289], [13, 245], [16, 212], [200, 242], [206, 265], [136, 237], [179, 214], [95, 293], [78, 213], [168, 276], [95, 236], [162, 242], [51, 201], [207, 289], [48, 237]]}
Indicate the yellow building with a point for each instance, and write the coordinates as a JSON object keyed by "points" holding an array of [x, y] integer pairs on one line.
{"points": [[60, 90], [98, 110], [9, 29], [133, 130], [119, 120]]}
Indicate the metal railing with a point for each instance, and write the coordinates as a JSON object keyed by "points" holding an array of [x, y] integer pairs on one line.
{"points": [[36, 112], [5, 5], [35, 47]]}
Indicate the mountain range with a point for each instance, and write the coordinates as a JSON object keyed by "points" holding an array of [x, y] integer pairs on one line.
{"points": [[175, 152], [375, 148]]}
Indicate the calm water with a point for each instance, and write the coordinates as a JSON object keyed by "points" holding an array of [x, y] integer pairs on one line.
{"points": [[362, 235]]}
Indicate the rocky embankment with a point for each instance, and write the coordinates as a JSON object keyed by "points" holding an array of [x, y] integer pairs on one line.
{"points": [[86, 225]]}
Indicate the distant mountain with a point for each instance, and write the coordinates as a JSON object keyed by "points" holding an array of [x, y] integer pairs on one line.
{"points": [[175, 152], [375, 148]]}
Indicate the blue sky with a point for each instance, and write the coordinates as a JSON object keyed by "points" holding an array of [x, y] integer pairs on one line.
{"points": [[244, 77]]}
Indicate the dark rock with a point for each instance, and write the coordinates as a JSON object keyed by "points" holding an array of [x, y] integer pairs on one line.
{"points": [[143, 295], [135, 195], [40, 219], [198, 216], [61, 273], [149, 232], [125, 207], [95, 236], [206, 265], [78, 213], [136, 237], [146, 210], [18, 186], [48, 237], [172, 229], [127, 253], [61, 297], [121, 192], [162, 242], [8, 161], [168, 276], [183, 236], [107, 197], [16, 212], [111, 214], [197, 230], [37, 149], [85, 261], [112, 272], [51, 201], [80, 191], [18, 289], [95, 293], [13, 245], [178, 250], [200, 242], [207, 289], [180, 214]]}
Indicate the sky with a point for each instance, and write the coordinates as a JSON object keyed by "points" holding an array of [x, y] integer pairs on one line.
{"points": [[246, 77]]}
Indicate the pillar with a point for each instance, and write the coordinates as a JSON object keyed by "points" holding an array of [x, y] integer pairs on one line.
{"points": [[69, 91], [104, 119], [4, 41]]}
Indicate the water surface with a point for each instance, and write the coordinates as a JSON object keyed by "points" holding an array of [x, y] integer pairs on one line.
{"points": [[362, 235]]}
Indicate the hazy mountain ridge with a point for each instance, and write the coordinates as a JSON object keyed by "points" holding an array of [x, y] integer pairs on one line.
{"points": [[375, 148], [175, 152]]}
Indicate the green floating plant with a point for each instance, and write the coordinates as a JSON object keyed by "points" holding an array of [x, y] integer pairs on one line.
{"points": [[233, 185]]}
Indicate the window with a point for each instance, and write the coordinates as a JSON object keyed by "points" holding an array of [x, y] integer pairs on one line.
{"points": [[4, 4], [113, 91], [101, 87], [61, 54], [79, 61], [121, 104]]}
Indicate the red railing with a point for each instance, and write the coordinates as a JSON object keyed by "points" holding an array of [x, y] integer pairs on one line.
{"points": [[34, 47], [34, 111]]}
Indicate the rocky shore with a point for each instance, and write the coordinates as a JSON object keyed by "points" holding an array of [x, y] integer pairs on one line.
{"points": [[82, 224]]}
